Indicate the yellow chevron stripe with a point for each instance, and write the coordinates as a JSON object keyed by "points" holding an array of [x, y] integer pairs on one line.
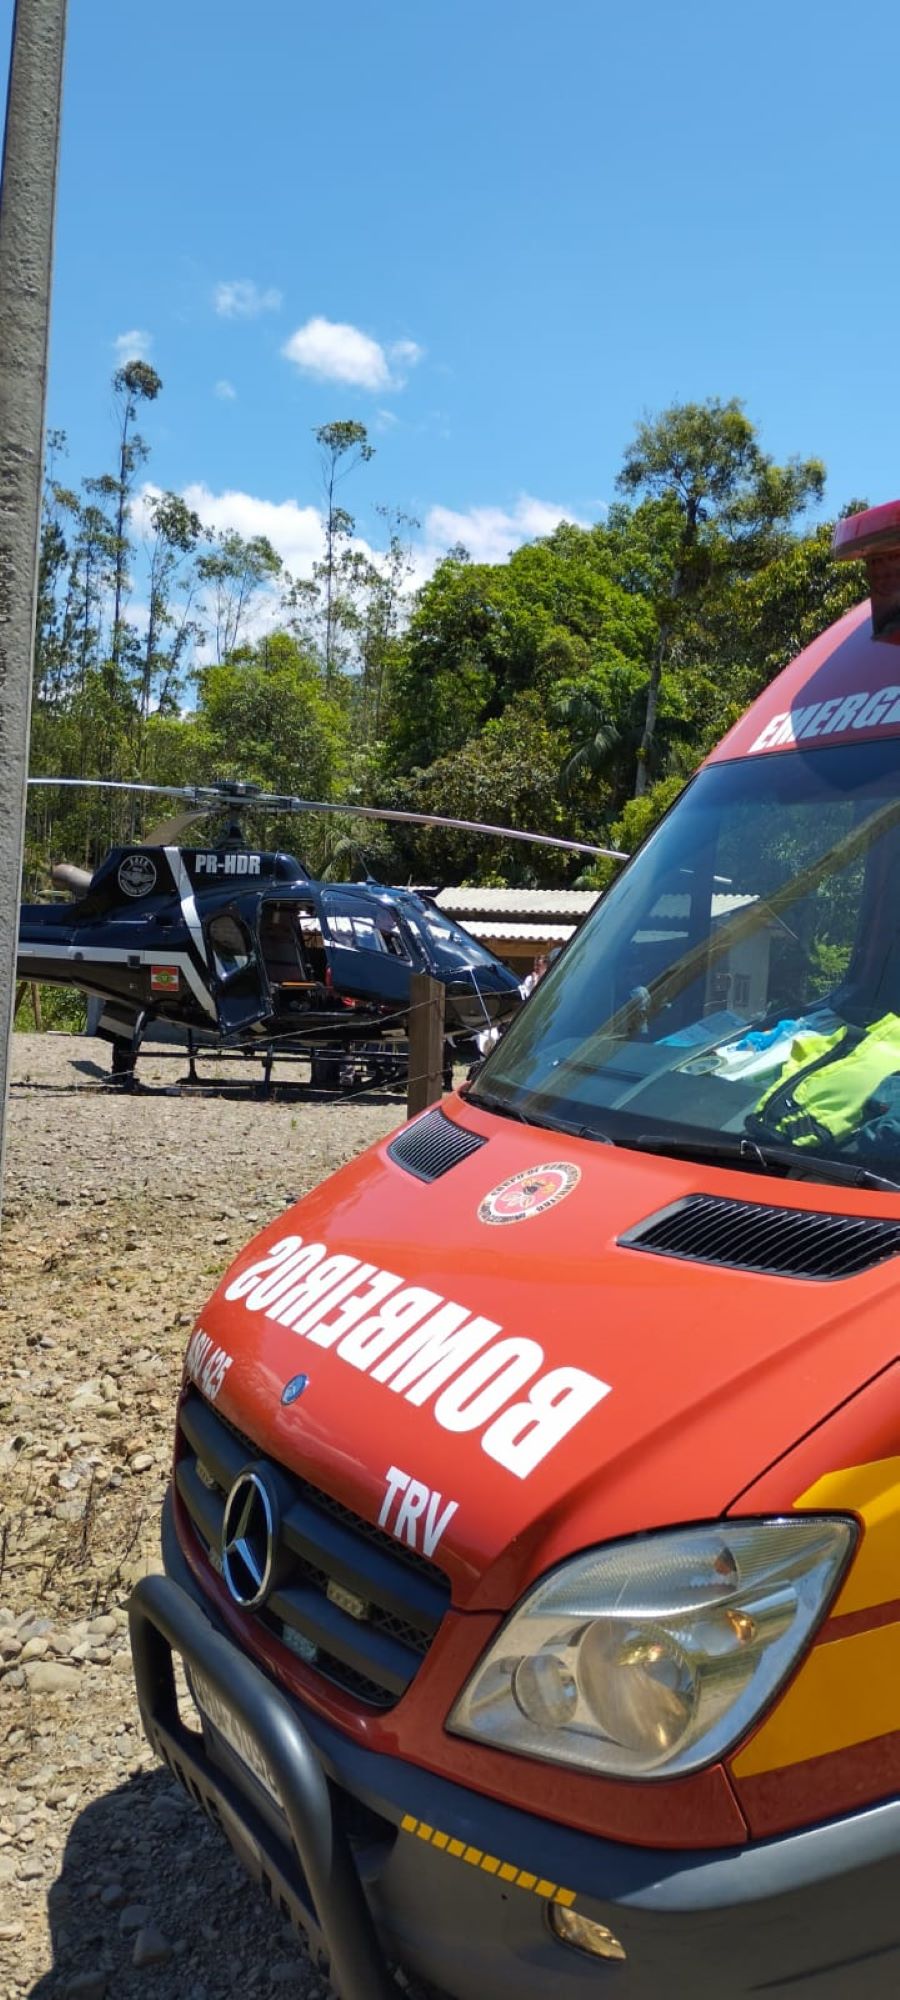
{"points": [[873, 1492], [506, 1871], [845, 1693]]}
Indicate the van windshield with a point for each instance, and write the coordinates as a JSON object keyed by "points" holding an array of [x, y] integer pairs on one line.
{"points": [[740, 981]]}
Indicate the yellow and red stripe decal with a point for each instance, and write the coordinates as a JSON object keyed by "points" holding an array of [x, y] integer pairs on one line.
{"points": [[873, 1492], [845, 1693], [490, 1864], [848, 1689]]}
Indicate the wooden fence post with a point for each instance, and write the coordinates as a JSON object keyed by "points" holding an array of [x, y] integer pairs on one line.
{"points": [[425, 1083]]}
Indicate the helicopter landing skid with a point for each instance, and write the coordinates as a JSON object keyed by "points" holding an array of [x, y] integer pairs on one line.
{"points": [[335, 1068], [125, 1054]]}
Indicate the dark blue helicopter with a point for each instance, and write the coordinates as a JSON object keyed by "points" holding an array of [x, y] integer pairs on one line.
{"points": [[243, 949]]}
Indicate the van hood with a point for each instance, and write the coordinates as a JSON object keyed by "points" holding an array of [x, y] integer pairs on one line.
{"points": [[479, 1365]]}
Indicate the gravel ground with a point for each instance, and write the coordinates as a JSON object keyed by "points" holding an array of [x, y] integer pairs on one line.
{"points": [[120, 1211]]}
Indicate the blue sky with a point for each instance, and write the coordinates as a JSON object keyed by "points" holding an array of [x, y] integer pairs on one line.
{"points": [[497, 232]]}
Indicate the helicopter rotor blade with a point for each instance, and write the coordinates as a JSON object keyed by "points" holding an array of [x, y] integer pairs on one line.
{"points": [[208, 797], [438, 819], [193, 792], [168, 832]]}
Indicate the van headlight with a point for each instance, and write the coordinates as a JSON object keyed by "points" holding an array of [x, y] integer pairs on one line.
{"points": [[654, 1656]]}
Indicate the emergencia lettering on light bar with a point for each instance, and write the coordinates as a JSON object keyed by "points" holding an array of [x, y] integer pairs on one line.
{"points": [[864, 710], [425, 1348]]}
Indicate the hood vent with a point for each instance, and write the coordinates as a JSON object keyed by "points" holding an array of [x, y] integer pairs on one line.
{"points": [[433, 1145], [784, 1242]]}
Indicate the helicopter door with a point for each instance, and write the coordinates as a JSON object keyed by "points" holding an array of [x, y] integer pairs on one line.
{"points": [[290, 940], [240, 986], [367, 949]]}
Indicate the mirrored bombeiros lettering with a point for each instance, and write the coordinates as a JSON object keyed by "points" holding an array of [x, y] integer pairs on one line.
{"points": [[472, 1375]]}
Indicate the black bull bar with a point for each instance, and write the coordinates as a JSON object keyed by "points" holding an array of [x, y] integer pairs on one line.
{"points": [[163, 1620]]}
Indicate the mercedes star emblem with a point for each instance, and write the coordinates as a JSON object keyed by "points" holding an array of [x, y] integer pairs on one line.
{"points": [[248, 1540]]}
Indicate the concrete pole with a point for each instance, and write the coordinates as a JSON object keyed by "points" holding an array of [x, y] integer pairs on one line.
{"points": [[27, 200]]}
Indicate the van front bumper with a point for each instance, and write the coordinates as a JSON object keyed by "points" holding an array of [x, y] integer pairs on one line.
{"points": [[382, 1864]]}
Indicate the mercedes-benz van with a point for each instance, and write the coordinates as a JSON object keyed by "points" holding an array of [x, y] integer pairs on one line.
{"points": [[533, 1545]]}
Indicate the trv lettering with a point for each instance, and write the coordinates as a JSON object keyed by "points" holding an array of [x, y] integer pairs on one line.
{"points": [[415, 1507], [425, 1348], [207, 1364], [831, 718]]}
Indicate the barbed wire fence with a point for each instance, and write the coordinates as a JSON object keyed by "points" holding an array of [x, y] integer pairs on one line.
{"points": [[420, 1076]]}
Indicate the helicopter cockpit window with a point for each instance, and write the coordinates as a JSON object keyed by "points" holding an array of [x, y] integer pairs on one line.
{"points": [[230, 945], [390, 935], [452, 946], [364, 934], [377, 931]]}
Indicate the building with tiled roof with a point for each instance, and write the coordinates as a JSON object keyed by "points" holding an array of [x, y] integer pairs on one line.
{"points": [[519, 925]]}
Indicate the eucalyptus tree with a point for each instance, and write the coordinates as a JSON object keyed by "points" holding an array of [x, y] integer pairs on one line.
{"points": [[133, 384], [343, 445], [54, 620], [237, 570], [728, 507], [172, 623], [95, 553], [377, 589]]}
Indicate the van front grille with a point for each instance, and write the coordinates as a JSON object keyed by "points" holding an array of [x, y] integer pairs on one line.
{"points": [[347, 1599]]}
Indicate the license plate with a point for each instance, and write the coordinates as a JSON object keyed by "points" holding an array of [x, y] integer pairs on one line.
{"points": [[239, 1739]]}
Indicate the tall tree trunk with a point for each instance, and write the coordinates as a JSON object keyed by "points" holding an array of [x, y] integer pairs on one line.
{"points": [[329, 585], [120, 540], [645, 750]]}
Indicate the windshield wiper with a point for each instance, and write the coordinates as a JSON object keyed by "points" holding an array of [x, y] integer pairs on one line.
{"points": [[485, 1100], [737, 1150]]}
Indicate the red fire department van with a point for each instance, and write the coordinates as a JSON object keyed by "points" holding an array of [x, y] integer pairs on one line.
{"points": [[533, 1547]]}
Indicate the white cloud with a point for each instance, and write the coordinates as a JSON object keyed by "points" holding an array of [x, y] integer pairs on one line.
{"points": [[405, 353], [225, 391], [132, 346], [333, 351], [490, 533], [139, 511], [295, 531], [243, 298]]}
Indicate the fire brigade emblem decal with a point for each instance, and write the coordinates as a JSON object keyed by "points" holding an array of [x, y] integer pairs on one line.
{"points": [[137, 875], [249, 1539], [529, 1193]]}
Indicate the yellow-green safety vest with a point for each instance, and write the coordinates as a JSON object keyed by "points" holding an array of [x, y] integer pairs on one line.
{"points": [[820, 1094]]}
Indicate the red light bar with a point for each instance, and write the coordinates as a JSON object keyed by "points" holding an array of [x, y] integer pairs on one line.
{"points": [[874, 538]]}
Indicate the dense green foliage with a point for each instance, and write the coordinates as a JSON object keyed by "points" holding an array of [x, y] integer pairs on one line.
{"points": [[570, 689]]}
